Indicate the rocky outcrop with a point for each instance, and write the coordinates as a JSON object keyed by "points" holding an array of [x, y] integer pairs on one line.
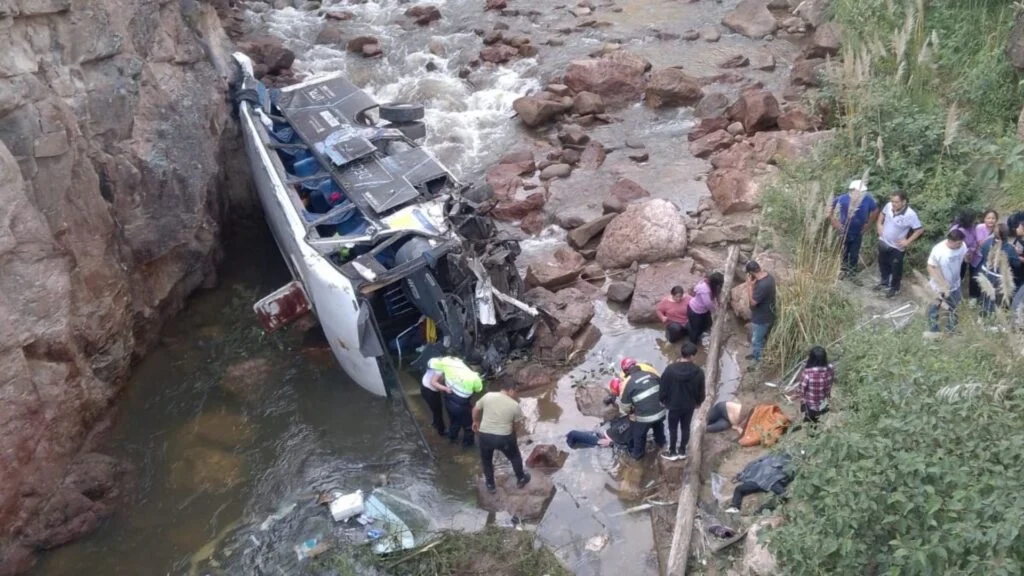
{"points": [[756, 110], [561, 269], [751, 18], [618, 77], [648, 232], [757, 559], [115, 139]]}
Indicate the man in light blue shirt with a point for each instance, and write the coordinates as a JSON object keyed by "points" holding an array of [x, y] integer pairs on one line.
{"points": [[898, 228], [852, 213]]}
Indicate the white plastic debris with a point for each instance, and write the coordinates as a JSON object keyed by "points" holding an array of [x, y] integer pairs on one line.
{"points": [[598, 542], [346, 506]]}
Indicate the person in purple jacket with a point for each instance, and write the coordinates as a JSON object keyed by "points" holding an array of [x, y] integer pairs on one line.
{"points": [[982, 232], [704, 302]]}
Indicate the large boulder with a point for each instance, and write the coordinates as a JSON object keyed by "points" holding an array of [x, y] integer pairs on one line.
{"points": [[756, 109], [646, 232], [807, 72], [587, 103], [546, 457], [739, 300], [618, 77], [712, 105], [561, 269], [735, 190], [565, 313], [670, 87], [722, 233], [423, 14], [751, 18], [536, 110], [528, 502], [826, 41], [707, 126], [654, 282], [499, 53], [590, 402], [708, 145], [534, 376]]}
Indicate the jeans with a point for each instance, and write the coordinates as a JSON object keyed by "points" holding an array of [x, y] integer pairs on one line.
{"points": [[698, 324], [460, 416], [679, 427], [851, 251], [639, 447], [758, 339], [579, 439], [988, 305], [508, 446], [748, 488], [890, 266], [435, 402], [973, 288], [953, 300], [674, 332], [718, 418]]}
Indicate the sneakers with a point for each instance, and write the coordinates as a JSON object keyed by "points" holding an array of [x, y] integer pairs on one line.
{"points": [[523, 481], [491, 488], [880, 286], [732, 510], [673, 456], [929, 335], [892, 292]]}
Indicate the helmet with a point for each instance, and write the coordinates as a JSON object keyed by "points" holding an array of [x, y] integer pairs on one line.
{"points": [[615, 386], [626, 364]]}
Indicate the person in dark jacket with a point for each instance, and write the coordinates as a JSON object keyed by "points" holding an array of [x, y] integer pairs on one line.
{"points": [[640, 397], [769, 473], [682, 391]]}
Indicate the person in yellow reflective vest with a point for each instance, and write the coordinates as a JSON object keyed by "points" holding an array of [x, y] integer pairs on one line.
{"points": [[459, 382]]}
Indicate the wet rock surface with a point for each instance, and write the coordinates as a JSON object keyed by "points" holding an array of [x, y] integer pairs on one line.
{"points": [[528, 502], [647, 232], [654, 282]]}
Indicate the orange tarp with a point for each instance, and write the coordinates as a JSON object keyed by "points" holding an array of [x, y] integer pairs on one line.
{"points": [[766, 424]]}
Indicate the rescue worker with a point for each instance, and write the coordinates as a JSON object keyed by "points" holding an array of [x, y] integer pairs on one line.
{"points": [[433, 389], [462, 382], [640, 397]]}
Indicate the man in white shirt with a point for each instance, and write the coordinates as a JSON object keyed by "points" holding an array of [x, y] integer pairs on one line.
{"points": [[898, 228], [944, 279]]}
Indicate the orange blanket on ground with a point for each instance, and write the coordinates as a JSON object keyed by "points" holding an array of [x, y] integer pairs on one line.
{"points": [[766, 424]]}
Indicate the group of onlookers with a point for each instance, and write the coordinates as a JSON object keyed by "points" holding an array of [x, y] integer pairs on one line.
{"points": [[987, 254]]}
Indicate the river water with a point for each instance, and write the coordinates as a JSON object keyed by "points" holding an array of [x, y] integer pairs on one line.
{"points": [[233, 433]]}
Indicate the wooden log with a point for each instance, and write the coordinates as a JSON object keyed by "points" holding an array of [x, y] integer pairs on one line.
{"points": [[688, 494]]}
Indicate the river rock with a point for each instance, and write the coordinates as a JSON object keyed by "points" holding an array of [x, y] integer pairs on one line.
{"points": [[495, 5], [618, 77], [710, 34], [498, 53], [504, 180], [423, 14], [521, 160], [534, 223], [826, 41], [704, 147], [340, 15], [795, 119], [269, 53], [119, 161], [569, 156], [493, 37], [706, 259], [330, 34], [368, 46], [587, 103], [556, 171], [546, 457], [561, 269], [807, 72], [757, 559], [707, 126], [816, 12], [688, 35], [202, 468], [580, 236], [647, 232], [565, 312], [528, 502], [590, 335], [739, 300], [670, 87], [573, 135], [616, 206], [735, 61], [735, 190], [620, 291], [751, 18], [730, 232], [535, 110], [639, 157], [762, 61], [756, 109], [246, 379], [517, 208], [654, 282], [534, 376], [626, 191], [590, 402]]}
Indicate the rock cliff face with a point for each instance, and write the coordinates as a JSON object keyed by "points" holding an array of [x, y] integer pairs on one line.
{"points": [[118, 157]]}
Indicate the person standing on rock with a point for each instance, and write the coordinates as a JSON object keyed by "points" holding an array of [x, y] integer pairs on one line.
{"points": [[463, 382], [682, 391], [703, 304], [494, 418], [898, 228], [761, 293], [944, 264], [852, 213], [640, 396], [672, 312]]}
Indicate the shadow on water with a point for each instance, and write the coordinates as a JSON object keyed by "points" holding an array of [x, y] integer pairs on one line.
{"points": [[225, 425]]}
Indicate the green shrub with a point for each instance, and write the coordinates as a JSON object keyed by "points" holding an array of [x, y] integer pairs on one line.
{"points": [[923, 475]]}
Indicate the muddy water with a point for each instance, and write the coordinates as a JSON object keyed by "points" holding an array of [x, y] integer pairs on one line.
{"points": [[232, 433]]}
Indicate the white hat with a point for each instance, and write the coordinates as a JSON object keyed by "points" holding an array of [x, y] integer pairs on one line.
{"points": [[857, 185]]}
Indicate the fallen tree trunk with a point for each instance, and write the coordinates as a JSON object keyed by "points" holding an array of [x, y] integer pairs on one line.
{"points": [[690, 490]]}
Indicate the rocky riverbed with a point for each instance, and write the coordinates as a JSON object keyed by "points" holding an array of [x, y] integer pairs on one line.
{"points": [[626, 143]]}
